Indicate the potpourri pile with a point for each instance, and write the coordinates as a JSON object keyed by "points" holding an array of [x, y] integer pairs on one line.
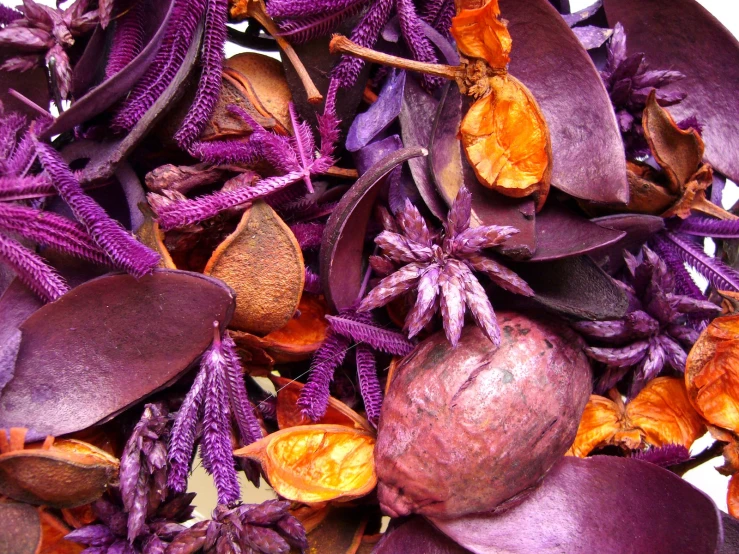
{"points": [[435, 271]]}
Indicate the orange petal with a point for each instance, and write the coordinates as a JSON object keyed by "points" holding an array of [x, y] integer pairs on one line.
{"points": [[712, 373], [317, 463], [288, 413], [481, 34], [664, 414], [506, 140], [302, 335], [263, 263], [599, 424]]}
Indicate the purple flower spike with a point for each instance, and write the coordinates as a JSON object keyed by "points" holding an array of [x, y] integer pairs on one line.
{"points": [[32, 270], [718, 274], [439, 14], [440, 267], [706, 227], [209, 88], [128, 39], [8, 15], [123, 249], [217, 394], [664, 456], [313, 401], [653, 334]]}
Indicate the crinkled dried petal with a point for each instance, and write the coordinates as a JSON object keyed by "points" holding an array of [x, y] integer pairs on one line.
{"points": [[664, 414], [506, 140], [600, 422], [317, 463], [482, 34], [712, 373]]}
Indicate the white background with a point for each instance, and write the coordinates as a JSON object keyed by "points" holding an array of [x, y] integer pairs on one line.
{"points": [[704, 477]]}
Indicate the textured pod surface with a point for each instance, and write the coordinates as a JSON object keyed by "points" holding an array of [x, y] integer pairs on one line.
{"points": [[20, 531], [263, 263], [463, 430], [107, 344]]}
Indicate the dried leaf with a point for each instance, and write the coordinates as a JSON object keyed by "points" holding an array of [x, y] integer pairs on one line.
{"points": [[20, 532], [700, 48], [417, 536], [152, 236], [660, 414], [262, 261], [71, 473], [712, 373], [481, 34], [679, 153], [316, 463], [106, 345], [506, 140], [289, 414], [341, 249]]}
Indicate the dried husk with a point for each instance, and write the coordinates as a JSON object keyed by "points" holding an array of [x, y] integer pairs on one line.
{"points": [[262, 261], [70, 473], [152, 236], [480, 33], [316, 463], [659, 415]]}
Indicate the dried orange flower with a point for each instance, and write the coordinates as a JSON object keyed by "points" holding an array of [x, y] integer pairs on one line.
{"points": [[317, 463], [661, 414]]}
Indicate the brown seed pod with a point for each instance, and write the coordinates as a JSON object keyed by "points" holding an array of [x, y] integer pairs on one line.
{"points": [[263, 263], [465, 429], [69, 473]]}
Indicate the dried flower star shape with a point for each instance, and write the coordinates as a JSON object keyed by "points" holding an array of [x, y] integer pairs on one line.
{"points": [[439, 267], [653, 334]]}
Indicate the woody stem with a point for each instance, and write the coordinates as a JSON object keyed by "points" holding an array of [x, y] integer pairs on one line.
{"points": [[342, 45]]}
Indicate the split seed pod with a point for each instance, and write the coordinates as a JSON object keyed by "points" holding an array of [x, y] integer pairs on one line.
{"points": [[262, 261], [661, 414], [316, 463], [69, 473], [504, 133]]}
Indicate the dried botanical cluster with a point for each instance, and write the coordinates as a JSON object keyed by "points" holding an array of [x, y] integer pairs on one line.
{"points": [[325, 270]]}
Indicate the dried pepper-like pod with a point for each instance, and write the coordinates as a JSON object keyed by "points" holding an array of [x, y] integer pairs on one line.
{"points": [[659, 415], [262, 261], [65, 474], [317, 463], [465, 429]]}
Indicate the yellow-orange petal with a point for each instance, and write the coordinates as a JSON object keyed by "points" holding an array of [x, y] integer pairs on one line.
{"points": [[664, 414], [506, 140], [317, 463], [599, 424], [480, 33]]}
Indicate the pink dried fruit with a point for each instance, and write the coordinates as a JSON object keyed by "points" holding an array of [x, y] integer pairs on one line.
{"points": [[468, 429]]}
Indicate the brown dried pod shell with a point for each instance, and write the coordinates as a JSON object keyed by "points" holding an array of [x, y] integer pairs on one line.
{"points": [[69, 473], [262, 262]]}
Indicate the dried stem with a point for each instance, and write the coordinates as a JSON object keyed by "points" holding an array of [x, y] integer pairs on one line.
{"points": [[258, 11], [713, 451], [334, 171], [342, 45], [705, 207]]}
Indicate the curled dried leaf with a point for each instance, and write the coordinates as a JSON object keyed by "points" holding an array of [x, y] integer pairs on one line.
{"points": [[289, 414], [69, 473], [712, 373], [506, 140], [660, 414], [316, 463], [262, 261]]}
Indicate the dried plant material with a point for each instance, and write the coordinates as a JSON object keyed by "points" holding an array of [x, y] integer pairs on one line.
{"points": [[507, 142], [480, 33], [20, 529], [263, 263], [732, 496], [340, 532], [302, 335], [53, 532], [660, 415], [152, 236], [316, 463], [712, 373], [263, 81], [289, 414], [69, 473]]}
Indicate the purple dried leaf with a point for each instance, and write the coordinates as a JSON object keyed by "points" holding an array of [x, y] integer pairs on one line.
{"points": [[381, 265], [663, 456], [123, 249], [620, 357], [603, 329], [312, 283], [32, 270], [369, 385], [308, 235], [313, 400], [675, 355], [471, 241], [686, 335], [460, 213], [369, 125]]}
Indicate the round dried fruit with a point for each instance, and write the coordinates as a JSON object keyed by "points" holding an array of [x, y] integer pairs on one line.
{"points": [[465, 429]]}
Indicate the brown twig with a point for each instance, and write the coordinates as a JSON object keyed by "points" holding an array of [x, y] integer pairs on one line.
{"points": [[709, 453], [334, 171]]}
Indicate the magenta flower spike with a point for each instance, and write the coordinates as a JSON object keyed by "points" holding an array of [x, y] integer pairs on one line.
{"points": [[128, 39], [32, 270]]}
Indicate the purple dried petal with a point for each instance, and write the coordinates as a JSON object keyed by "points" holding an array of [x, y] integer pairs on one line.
{"points": [[620, 357], [683, 333], [369, 385], [675, 355], [500, 275], [478, 302], [92, 535], [312, 283], [460, 213], [378, 338], [293, 532], [125, 251], [308, 235], [313, 400], [393, 286], [471, 241], [649, 367], [401, 249], [452, 293], [413, 225], [268, 512], [425, 307], [380, 115], [265, 540], [8, 15], [603, 329]]}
